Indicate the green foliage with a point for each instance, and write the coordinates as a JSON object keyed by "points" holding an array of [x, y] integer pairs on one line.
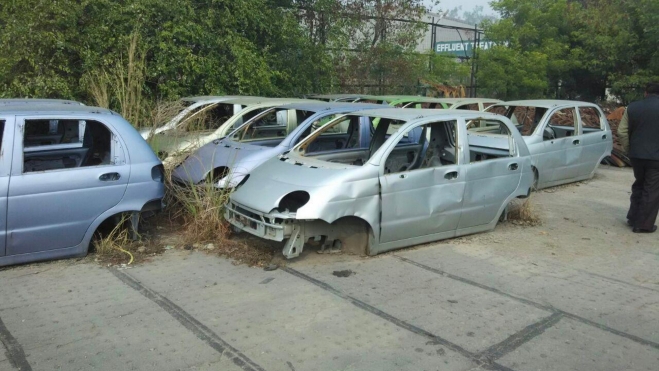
{"points": [[571, 49], [191, 46], [78, 49]]}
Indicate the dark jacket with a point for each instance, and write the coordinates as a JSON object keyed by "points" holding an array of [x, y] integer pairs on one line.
{"points": [[643, 118]]}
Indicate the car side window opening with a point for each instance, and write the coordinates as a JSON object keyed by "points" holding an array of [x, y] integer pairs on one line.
{"points": [[426, 146], [590, 119], [489, 139], [526, 119], [562, 123], [65, 144]]}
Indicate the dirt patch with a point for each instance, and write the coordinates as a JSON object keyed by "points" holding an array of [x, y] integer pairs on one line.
{"points": [[253, 252], [345, 273]]}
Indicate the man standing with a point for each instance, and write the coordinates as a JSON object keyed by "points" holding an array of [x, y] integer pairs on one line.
{"points": [[639, 136]]}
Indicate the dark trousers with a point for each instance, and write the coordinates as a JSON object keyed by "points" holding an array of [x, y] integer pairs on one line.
{"points": [[645, 194]]}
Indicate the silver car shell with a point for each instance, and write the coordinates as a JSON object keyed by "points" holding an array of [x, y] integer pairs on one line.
{"points": [[44, 207], [340, 192], [240, 158], [568, 159], [193, 140]]}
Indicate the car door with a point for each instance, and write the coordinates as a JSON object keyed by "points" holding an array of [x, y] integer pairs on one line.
{"points": [[595, 139], [6, 144], [426, 198], [557, 154], [58, 190], [492, 174]]}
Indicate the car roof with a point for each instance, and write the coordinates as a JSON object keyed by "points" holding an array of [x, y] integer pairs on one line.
{"points": [[412, 114], [58, 109], [14, 101], [448, 101], [334, 96], [213, 98], [545, 103], [259, 100], [322, 106], [390, 98]]}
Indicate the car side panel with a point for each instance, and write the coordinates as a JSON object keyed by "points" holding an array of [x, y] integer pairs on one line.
{"points": [[420, 202], [5, 171], [51, 210]]}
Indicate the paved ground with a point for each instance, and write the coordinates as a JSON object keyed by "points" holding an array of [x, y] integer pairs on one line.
{"points": [[580, 292]]}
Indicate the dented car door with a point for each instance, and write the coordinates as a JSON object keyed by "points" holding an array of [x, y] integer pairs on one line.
{"points": [[423, 197], [492, 175]]}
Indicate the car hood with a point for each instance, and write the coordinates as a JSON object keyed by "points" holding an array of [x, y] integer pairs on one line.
{"points": [[279, 176], [240, 158]]}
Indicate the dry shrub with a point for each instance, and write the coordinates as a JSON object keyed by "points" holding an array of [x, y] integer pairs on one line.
{"points": [[523, 213], [164, 111], [200, 208], [121, 86], [118, 246]]}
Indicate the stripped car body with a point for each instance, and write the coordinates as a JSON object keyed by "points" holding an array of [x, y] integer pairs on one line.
{"points": [[425, 177], [64, 170], [274, 131], [567, 139], [206, 122]]}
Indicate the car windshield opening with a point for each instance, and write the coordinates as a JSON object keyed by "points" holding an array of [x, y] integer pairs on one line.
{"points": [[208, 116], [270, 127], [350, 139]]}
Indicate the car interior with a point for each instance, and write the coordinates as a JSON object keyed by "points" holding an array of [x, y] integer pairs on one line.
{"points": [[63, 144]]}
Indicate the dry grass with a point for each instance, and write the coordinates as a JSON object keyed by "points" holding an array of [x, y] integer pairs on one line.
{"points": [[200, 209], [117, 246], [523, 213], [121, 87]]}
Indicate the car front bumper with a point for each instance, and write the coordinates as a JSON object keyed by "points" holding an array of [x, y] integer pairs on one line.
{"points": [[276, 227]]}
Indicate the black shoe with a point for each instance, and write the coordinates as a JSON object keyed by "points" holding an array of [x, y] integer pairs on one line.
{"points": [[639, 230]]}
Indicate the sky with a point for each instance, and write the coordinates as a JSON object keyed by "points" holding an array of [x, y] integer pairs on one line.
{"points": [[466, 5]]}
